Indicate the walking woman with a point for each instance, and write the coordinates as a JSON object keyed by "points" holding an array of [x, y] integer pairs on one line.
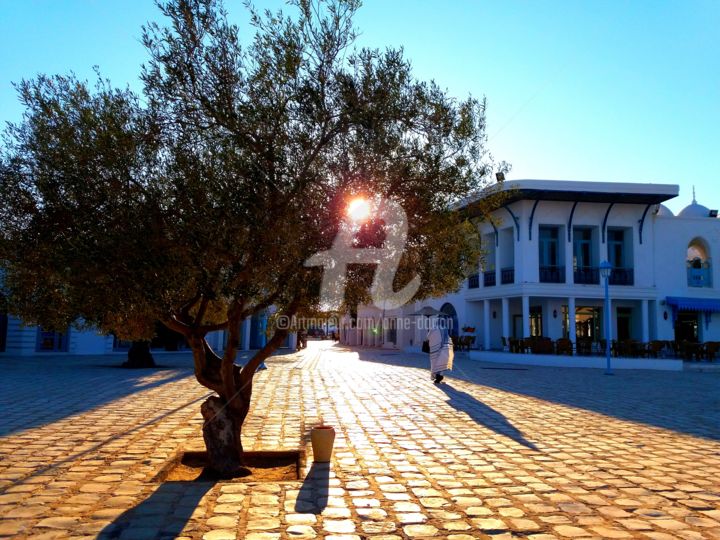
{"points": [[441, 350]]}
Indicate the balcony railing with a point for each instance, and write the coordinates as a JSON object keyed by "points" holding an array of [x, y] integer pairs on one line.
{"points": [[507, 275], [587, 275], [489, 278], [552, 274], [699, 277], [474, 281], [622, 276]]}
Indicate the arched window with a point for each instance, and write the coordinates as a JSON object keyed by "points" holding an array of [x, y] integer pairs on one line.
{"points": [[698, 263]]}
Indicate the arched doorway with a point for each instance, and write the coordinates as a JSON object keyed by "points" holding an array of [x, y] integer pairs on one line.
{"points": [[450, 313]]}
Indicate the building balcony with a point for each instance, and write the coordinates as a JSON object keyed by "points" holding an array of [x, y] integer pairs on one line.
{"points": [[699, 277], [507, 275], [587, 275], [552, 274], [489, 278], [474, 281], [622, 276]]}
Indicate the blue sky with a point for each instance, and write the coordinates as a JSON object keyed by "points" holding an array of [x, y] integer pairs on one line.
{"points": [[577, 90]]}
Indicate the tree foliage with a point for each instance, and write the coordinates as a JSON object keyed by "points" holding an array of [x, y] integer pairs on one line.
{"points": [[198, 201]]}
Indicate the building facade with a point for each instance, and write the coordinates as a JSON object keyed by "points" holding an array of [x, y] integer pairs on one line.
{"points": [[541, 272], [19, 339]]}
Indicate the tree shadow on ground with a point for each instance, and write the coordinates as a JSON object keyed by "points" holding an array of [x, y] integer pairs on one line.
{"points": [[315, 489], [682, 401], [484, 415], [37, 391], [164, 514]]}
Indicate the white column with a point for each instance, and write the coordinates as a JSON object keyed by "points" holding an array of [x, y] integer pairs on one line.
{"points": [[644, 321], [526, 315], [486, 325], [572, 330], [506, 318], [245, 335]]}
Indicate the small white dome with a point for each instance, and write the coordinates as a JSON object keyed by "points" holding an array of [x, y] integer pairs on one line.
{"points": [[664, 211], [694, 210]]}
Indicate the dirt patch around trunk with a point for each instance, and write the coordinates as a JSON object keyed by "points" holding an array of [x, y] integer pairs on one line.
{"points": [[263, 466]]}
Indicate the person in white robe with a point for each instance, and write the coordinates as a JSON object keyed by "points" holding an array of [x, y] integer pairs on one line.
{"points": [[441, 351]]}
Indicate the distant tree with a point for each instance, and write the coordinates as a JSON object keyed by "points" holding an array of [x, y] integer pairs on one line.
{"points": [[198, 202]]}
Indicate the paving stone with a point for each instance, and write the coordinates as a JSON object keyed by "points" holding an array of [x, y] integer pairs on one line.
{"points": [[301, 519], [222, 522], [345, 512], [456, 525], [374, 527], [262, 536], [567, 531], [339, 525], [414, 517], [12, 528], [263, 524], [220, 534], [300, 531], [422, 531], [608, 532]]}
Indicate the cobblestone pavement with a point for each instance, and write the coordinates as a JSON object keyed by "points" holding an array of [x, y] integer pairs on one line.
{"points": [[493, 452]]}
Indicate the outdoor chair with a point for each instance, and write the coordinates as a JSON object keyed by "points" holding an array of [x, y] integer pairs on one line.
{"points": [[692, 350], [711, 349], [655, 348], [584, 346], [465, 342], [564, 346], [628, 348], [541, 345], [526, 345]]}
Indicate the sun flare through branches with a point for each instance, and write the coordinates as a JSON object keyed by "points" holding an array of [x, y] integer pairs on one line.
{"points": [[358, 210]]}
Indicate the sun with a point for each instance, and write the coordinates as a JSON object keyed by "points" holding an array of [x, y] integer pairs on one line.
{"points": [[358, 210]]}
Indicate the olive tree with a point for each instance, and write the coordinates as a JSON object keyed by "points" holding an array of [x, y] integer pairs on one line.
{"points": [[198, 201]]}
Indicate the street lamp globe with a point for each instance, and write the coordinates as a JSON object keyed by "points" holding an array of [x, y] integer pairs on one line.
{"points": [[605, 269]]}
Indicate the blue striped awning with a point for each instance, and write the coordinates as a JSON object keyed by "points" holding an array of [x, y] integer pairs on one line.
{"points": [[704, 305]]}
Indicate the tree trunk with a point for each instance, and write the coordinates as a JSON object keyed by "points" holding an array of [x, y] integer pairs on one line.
{"points": [[139, 356], [225, 413], [221, 433]]}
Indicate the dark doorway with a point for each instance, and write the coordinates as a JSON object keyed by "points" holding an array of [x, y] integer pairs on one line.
{"points": [[624, 318], [686, 326], [536, 326], [517, 331]]}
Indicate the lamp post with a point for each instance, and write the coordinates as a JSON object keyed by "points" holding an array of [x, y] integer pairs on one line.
{"points": [[605, 269]]}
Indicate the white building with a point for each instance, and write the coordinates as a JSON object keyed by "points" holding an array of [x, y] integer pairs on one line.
{"points": [[21, 340], [541, 274]]}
